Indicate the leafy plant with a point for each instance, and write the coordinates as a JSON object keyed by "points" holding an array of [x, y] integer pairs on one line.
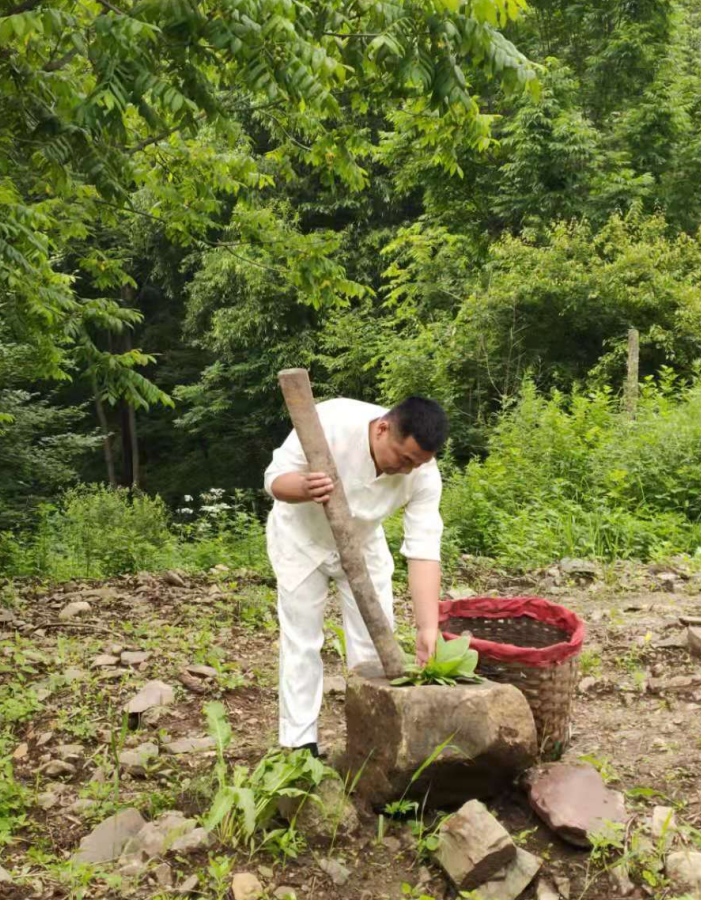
{"points": [[452, 662]]}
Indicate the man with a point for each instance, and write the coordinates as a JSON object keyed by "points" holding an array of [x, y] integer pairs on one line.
{"points": [[385, 460]]}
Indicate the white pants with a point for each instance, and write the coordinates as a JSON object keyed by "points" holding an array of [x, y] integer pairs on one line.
{"points": [[301, 614]]}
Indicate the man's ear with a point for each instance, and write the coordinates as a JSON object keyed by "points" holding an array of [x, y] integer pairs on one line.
{"points": [[383, 426]]}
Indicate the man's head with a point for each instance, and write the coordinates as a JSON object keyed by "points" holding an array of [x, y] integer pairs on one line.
{"points": [[408, 436]]}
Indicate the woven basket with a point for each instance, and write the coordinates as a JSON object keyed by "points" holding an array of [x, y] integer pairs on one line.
{"points": [[530, 643]]}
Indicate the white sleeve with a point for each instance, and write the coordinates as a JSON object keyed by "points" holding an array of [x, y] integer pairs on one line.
{"points": [[287, 458], [423, 525]]}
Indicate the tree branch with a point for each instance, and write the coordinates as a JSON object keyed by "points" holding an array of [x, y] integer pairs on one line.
{"points": [[23, 7], [111, 8], [56, 64]]}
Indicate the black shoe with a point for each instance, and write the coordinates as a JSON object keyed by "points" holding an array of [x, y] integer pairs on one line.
{"points": [[312, 747]]}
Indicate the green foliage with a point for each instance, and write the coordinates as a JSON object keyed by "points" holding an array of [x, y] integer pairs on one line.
{"points": [[452, 662], [245, 804], [574, 477]]}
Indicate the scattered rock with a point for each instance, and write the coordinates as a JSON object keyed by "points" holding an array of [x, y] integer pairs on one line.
{"points": [[190, 745], [70, 751], [202, 671], [132, 868], [546, 890], [83, 804], [494, 738], [188, 886], [5, 877], [461, 592], [73, 673], [393, 844], [684, 871], [620, 879], [20, 751], [573, 800], [172, 578], [586, 684], [154, 693], [164, 875], [663, 824], [678, 683], [285, 892], [266, 872], [191, 682], [245, 886], [473, 846], [44, 738], [580, 568], [335, 684], [105, 659], [153, 716], [135, 761], [513, 879], [107, 840], [693, 640], [134, 657], [47, 799], [337, 872], [219, 568], [197, 839], [56, 767], [115, 649], [324, 814], [71, 610]]}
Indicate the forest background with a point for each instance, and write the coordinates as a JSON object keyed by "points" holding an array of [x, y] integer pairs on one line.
{"points": [[474, 201]]}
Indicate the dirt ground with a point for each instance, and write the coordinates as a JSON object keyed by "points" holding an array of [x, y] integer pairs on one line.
{"points": [[641, 733]]}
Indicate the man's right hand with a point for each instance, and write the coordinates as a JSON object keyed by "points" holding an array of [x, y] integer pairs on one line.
{"points": [[302, 487], [318, 487]]}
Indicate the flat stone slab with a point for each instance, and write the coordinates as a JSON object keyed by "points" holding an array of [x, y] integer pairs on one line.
{"points": [[107, 841], [391, 732], [473, 846], [154, 693], [573, 800]]}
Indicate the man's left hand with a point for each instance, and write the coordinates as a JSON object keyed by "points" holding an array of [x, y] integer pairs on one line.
{"points": [[425, 644]]}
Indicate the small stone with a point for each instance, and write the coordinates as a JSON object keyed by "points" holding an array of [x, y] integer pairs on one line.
{"points": [[70, 751], [153, 716], [190, 745], [56, 767], [172, 578], [132, 868], [191, 682], [74, 609], [664, 824], [164, 875], [336, 684], [266, 872], [47, 799], [245, 886], [197, 839], [684, 871], [135, 761], [21, 750], [107, 840], [473, 846], [105, 659], [202, 671], [337, 872], [220, 568], [511, 881], [546, 890], [461, 592], [44, 738], [578, 567], [392, 844], [285, 892], [586, 684], [562, 883], [693, 640], [154, 693], [188, 886], [83, 804], [621, 880], [73, 673], [135, 657], [5, 877], [573, 800], [115, 649]]}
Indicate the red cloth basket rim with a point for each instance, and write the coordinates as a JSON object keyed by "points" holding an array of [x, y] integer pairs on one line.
{"points": [[514, 607]]}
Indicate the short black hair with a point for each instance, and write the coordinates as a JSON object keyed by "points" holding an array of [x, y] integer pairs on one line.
{"points": [[424, 420]]}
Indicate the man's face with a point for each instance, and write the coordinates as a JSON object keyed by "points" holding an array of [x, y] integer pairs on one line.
{"points": [[395, 455]]}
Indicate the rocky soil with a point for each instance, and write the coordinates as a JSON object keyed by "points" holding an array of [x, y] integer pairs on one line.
{"points": [[102, 688]]}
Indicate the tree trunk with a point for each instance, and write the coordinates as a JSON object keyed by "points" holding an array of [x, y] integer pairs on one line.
{"points": [[135, 473], [106, 436], [300, 403], [633, 377]]}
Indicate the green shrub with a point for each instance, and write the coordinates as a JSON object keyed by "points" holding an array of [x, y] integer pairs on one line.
{"points": [[573, 476]]}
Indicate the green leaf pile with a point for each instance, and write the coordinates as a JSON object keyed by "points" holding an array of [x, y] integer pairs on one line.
{"points": [[452, 662]]}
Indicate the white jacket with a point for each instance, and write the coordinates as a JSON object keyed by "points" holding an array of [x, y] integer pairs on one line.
{"points": [[298, 534]]}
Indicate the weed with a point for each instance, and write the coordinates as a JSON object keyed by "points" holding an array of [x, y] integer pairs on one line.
{"points": [[603, 767], [591, 663]]}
